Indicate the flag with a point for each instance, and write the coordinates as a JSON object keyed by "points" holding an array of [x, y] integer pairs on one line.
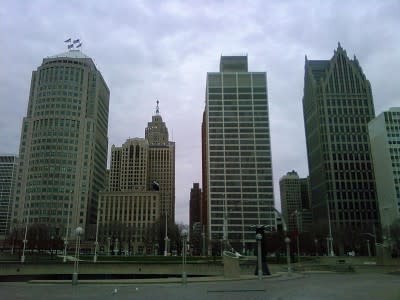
{"points": [[76, 41], [67, 41], [79, 45], [70, 46]]}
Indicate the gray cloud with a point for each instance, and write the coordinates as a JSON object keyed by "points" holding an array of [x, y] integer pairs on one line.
{"points": [[148, 50]]}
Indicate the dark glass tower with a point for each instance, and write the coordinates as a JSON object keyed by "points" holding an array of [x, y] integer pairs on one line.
{"points": [[337, 106]]}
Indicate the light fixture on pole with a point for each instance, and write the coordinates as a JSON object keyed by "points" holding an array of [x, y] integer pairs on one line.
{"points": [[78, 233], [289, 269], [25, 241], [67, 229], [316, 247], [96, 243], [166, 235], [259, 255], [184, 234]]}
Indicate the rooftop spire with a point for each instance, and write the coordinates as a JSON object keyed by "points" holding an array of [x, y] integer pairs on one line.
{"points": [[157, 108]]}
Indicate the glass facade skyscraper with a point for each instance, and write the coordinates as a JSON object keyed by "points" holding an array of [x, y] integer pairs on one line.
{"points": [[8, 169], [63, 148], [337, 107], [237, 156], [384, 134]]}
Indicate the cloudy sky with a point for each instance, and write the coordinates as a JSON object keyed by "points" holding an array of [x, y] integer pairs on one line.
{"points": [[148, 50]]}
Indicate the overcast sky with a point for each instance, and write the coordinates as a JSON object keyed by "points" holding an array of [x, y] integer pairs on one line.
{"points": [[148, 50]]}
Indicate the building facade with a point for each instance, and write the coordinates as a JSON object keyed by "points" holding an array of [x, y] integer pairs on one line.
{"points": [[8, 169], [237, 156], [63, 148], [337, 106], [295, 202], [194, 205], [384, 135], [162, 163], [141, 192]]}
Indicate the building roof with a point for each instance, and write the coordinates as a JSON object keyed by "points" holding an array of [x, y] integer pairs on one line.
{"points": [[318, 68], [70, 54]]}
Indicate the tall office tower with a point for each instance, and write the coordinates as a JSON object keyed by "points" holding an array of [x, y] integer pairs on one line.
{"points": [[295, 202], [238, 154], [337, 107], [384, 135], [8, 169], [63, 149], [196, 228], [129, 210], [162, 163], [194, 205], [204, 173]]}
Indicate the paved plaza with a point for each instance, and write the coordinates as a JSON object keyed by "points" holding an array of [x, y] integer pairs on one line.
{"points": [[324, 286]]}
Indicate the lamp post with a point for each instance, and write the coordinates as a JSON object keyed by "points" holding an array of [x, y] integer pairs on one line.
{"points": [[25, 241], [259, 255], [184, 237], [78, 233], [166, 235], [67, 229], [296, 213], [316, 247], [96, 243], [289, 269], [369, 249], [51, 245], [329, 240], [203, 235]]}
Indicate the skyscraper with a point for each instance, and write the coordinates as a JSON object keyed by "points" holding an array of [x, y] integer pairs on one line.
{"points": [[295, 202], [194, 206], [63, 149], [162, 163], [237, 156], [337, 107], [295, 199], [384, 134], [8, 169], [130, 209]]}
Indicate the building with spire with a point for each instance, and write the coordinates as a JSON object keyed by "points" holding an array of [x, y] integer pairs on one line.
{"points": [[141, 191], [237, 169], [63, 148], [162, 163], [337, 106]]}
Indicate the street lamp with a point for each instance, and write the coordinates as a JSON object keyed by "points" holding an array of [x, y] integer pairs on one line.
{"points": [[296, 213], [289, 269], [166, 235], [316, 247], [259, 239], [25, 241], [67, 229], [96, 243], [78, 233], [184, 234]]}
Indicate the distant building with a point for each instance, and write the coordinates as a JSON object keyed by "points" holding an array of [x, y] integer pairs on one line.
{"points": [[194, 205], [162, 163], [295, 202], [384, 136], [337, 106], [236, 154], [141, 190], [8, 169], [63, 149]]}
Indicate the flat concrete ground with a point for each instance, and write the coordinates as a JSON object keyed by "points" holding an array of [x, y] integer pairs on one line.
{"points": [[325, 286]]}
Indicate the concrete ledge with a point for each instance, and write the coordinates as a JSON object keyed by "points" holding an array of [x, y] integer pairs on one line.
{"points": [[158, 280]]}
